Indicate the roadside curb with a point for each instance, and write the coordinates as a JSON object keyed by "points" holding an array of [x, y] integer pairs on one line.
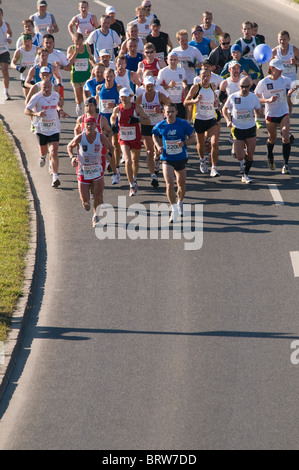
{"points": [[22, 311]]}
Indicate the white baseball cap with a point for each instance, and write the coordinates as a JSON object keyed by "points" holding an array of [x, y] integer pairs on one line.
{"points": [[232, 63], [110, 10], [148, 80], [277, 64], [126, 92], [45, 70], [104, 52]]}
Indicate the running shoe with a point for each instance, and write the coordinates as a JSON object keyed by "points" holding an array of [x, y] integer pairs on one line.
{"points": [[115, 179], [245, 179], [214, 172], [55, 183], [42, 161], [132, 190], [258, 124], [7, 96], [154, 182], [203, 165], [86, 205], [285, 170], [95, 220], [79, 109], [180, 208], [174, 215], [271, 164]]}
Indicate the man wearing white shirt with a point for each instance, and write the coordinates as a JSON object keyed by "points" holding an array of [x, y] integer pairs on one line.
{"points": [[103, 38], [239, 112], [173, 79], [44, 107], [44, 22], [190, 58]]}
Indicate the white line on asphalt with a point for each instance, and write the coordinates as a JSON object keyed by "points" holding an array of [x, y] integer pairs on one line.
{"points": [[275, 194], [1, 93], [101, 3], [295, 262]]}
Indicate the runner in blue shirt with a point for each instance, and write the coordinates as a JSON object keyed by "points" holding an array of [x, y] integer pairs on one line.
{"points": [[176, 134]]}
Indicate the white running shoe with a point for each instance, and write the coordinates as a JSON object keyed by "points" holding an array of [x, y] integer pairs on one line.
{"points": [[245, 179], [180, 208], [285, 170], [203, 166], [42, 161], [95, 220], [115, 179], [214, 172], [79, 109], [174, 214]]}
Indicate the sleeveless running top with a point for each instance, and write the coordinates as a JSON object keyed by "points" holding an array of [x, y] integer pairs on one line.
{"points": [[81, 67], [149, 106], [108, 95], [3, 38], [42, 24], [85, 24], [128, 132], [153, 67], [290, 70]]}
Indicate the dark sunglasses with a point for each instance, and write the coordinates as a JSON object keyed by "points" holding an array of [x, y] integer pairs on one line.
{"points": [[225, 43]]}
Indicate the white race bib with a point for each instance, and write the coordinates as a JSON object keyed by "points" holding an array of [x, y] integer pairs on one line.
{"points": [[280, 94], [243, 116], [81, 65], [172, 147], [47, 125], [92, 171], [104, 106], [127, 133]]}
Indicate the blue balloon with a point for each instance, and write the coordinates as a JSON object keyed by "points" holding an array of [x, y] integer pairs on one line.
{"points": [[262, 53]]}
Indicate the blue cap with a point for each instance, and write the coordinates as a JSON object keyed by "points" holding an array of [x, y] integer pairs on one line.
{"points": [[236, 47]]}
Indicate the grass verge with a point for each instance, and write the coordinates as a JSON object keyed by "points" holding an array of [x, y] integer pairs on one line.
{"points": [[14, 231]]}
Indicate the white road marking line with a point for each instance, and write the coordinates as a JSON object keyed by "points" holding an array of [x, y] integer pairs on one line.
{"points": [[105, 5], [1, 93], [295, 262], [275, 194]]}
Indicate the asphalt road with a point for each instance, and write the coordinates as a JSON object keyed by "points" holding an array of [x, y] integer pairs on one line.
{"points": [[144, 344]]}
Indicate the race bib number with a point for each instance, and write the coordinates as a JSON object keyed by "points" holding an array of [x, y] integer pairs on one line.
{"points": [[81, 65], [243, 116], [281, 95], [289, 68], [172, 147], [127, 133], [47, 125], [104, 106], [3, 48], [92, 171], [175, 93], [43, 28], [205, 108]]}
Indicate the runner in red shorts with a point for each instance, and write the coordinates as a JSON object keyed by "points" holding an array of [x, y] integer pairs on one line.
{"points": [[130, 115], [90, 164]]}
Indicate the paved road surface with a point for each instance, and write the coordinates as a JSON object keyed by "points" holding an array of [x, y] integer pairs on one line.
{"points": [[143, 344]]}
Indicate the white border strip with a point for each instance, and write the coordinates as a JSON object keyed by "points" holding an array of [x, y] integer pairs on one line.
{"points": [[1, 93], [295, 262], [101, 3], [275, 194]]}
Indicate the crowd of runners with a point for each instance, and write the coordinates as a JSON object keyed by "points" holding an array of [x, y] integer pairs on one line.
{"points": [[136, 87]]}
